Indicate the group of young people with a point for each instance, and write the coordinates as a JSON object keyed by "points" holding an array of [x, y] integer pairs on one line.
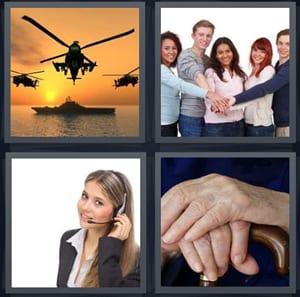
{"points": [[213, 96]]}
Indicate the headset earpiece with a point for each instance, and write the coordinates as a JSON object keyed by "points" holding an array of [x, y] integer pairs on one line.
{"points": [[122, 207]]}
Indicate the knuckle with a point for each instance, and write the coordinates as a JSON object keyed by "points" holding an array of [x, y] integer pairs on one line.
{"points": [[203, 242], [239, 225], [219, 235], [180, 197], [186, 250], [212, 218], [196, 209]]}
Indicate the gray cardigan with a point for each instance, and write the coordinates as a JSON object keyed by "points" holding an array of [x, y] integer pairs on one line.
{"points": [[188, 66]]}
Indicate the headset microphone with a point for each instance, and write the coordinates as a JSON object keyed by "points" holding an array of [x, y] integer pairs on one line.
{"points": [[93, 222]]}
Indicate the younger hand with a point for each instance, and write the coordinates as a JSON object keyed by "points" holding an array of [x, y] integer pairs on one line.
{"points": [[121, 228], [217, 109], [221, 103]]}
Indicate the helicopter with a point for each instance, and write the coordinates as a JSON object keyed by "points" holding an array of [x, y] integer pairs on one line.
{"points": [[126, 79], [26, 79], [75, 60]]}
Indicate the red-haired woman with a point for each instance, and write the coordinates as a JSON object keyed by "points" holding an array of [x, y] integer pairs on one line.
{"points": [[258, 114]]}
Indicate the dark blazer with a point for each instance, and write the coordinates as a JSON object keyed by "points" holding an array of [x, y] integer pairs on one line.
{"points": [[109, 271]]}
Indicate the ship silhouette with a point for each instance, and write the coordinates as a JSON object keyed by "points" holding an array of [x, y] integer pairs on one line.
{"points": [[71, 107]]}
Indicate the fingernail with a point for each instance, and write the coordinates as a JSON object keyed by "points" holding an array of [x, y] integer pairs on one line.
{"points": [[167, 237], [212, 276], [237, 260]]}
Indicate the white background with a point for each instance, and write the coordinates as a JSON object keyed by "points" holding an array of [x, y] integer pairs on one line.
{"points": [[44, 205], [242, 25]]}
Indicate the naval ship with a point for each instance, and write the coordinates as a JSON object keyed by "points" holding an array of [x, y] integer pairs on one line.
{"points": [[70, 107]]}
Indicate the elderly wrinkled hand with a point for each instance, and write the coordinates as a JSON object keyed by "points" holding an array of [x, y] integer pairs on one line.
{"points": [[194, 207], [212, 253]]}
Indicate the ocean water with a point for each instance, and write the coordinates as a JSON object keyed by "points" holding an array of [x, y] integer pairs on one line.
{"points": [[25, 122]]}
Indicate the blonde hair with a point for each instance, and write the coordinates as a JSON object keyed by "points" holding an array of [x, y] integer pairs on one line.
{"points": [[115, 185], [205, 24]]}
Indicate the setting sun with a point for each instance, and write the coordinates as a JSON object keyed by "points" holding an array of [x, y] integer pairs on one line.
{"points": [[50, 96], [117, 56]]}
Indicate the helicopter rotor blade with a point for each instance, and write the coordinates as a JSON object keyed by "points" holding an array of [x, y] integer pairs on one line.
{"points": [[28, 72], [52, 58], [123, 74], [42, 28], [108, 39], [16, 72], [35, 72], [112, 74], [133, 70], [90, 61], [35, 77]]}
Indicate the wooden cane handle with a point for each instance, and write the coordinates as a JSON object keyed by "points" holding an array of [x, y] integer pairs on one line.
{"points": [[275, 238]]}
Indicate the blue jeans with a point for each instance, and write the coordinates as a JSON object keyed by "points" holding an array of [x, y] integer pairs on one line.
{"points": [[251, 130], [190, 126], [234, 129]]}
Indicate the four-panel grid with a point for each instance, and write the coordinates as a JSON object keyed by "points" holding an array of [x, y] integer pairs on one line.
{"points": [[90, 89]]}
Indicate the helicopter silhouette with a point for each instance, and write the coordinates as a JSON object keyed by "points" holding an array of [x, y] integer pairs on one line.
{"points": [[75, 60], [26, 79], [126, 79]]}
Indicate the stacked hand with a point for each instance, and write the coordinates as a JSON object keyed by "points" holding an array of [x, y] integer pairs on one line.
{"points": [[207, 219], [212, 253], [219, 102], [217, 109]]}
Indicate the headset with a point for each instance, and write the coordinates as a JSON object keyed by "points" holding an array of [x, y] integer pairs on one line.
{"points": [[122, 207]]}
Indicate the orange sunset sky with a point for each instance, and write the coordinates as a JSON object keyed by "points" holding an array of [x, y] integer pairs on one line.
{"points": [[29, 45]]}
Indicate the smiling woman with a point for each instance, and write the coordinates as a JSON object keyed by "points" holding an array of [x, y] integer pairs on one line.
{"points": [[30, 178], [103, 252], [226, 77]]}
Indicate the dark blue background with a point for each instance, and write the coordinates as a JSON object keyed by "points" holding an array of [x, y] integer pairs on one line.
{"points": [[150, 147], [268, 172]]}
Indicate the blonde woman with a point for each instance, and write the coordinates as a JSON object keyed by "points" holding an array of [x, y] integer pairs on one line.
{"points": [[103, 253]]}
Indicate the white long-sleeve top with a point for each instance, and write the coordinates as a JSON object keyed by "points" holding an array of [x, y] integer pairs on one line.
{"points": [[259, 111]]}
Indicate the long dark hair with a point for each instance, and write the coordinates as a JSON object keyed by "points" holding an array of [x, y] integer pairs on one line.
{"points": [[218, 67], [175, 38]]}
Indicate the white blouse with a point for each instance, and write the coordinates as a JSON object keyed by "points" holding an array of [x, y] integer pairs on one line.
{"points": [[77, 276]]}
